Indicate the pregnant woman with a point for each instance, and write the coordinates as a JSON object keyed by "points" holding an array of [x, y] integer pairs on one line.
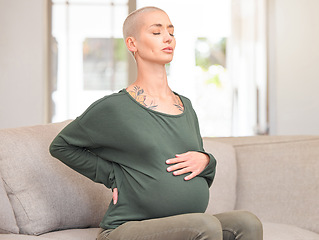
{"points": [[144, 143]]}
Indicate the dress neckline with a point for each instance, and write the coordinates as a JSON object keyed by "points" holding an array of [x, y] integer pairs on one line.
{"points": [[157, 112]]}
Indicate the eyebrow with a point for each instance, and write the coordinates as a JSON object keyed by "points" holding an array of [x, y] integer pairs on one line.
{"points": [[160, 25]]}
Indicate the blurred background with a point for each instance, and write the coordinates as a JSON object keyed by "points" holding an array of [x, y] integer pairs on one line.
{"points": [[250, 67]]}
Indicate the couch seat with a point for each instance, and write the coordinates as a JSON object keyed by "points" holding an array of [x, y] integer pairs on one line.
{"points": [[277, 231]]}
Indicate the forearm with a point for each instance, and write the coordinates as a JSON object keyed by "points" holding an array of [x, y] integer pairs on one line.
{"points": [[77, 158], [72, 147]]}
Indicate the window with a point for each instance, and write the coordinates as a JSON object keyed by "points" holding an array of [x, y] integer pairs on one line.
{"points": [[104, 64], [219, 61], [89, 53]]}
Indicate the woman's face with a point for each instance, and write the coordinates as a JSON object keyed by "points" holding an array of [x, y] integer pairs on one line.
{"points": [[155, 41]]}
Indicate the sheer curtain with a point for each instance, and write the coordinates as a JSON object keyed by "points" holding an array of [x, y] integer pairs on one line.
{"points": [[247, 64]]}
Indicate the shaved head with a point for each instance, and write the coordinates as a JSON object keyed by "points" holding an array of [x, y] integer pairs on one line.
{"points": [[133, 22]]}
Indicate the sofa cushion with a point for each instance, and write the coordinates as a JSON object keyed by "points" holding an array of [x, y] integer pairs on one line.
{"points": [[74, 234], [8, 222], [223, 190], [45, 194], [22, 237], [277, 231], [278, 179]]}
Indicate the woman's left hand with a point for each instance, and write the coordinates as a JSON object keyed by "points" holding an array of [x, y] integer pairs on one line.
{"points": [[189, 162]]}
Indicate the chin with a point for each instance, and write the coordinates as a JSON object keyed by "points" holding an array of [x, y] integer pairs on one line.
{"points": [[167, 60]]}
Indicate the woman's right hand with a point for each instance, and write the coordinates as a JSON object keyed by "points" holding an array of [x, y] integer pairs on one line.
{"points": [[115, 195]]}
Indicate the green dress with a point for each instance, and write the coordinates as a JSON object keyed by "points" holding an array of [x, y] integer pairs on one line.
{"points": [[120, 143]]}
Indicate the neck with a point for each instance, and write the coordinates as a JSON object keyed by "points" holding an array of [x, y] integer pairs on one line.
{"points": [[153, 79]]}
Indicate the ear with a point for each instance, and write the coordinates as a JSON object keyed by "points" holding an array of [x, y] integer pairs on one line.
{"points": [[131, 44]]}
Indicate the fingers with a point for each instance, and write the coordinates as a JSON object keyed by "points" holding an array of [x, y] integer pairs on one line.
{"points": [[189, 162], [115, 195], [178, 158], [182, 171], [180, 164], [193, 174], [190, 176], [176, 166], [181, 167]]}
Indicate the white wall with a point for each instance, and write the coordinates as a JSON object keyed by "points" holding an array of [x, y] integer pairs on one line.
{"points": [[294, 67], [293, 64], [23, 62]]}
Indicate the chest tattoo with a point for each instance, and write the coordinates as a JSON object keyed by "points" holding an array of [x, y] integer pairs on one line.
{"points": [[140, 96]]}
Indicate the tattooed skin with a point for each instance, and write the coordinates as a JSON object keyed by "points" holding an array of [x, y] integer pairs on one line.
{"points": [[179, 106], [139, 95]]}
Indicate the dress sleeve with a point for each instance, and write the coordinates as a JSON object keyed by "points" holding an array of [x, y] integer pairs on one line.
{"points": [[72, 147], [209, 172]]}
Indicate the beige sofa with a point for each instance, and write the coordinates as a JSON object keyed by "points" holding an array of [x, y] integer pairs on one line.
{"points": [[277, 178]]}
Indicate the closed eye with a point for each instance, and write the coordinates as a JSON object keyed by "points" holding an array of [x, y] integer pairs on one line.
{"points": [[160, 33]]}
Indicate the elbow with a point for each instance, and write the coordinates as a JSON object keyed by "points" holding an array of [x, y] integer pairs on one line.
{"points": [[53, 149]]}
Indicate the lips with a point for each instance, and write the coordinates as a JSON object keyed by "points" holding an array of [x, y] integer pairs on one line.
{"points": [[168, 49]]}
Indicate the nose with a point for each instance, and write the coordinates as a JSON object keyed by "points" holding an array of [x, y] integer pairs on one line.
{"points": [[168, 38]]}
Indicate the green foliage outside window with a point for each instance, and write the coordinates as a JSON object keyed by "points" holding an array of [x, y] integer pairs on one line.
{"points": [[211, 58]]}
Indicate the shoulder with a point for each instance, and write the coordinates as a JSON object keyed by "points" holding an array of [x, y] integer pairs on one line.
{"points": [[190, 111], [186, 101], [107, 104]]}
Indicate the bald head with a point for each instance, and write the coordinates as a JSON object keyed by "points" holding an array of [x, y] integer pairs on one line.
{"points": [[133, 22]]}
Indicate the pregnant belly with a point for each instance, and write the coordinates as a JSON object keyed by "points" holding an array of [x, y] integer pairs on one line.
{"points": [[173, 195]]}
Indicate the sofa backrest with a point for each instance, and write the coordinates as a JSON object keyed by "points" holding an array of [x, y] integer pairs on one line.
{"points": [[8, 222], [45, 194], [278, 178]]}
